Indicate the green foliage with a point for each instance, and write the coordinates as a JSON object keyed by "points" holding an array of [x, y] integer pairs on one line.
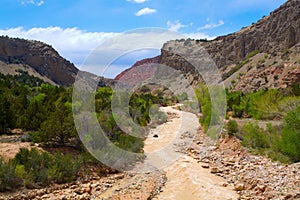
{"points": [[211, 111], [288, 104], [35, 165], [157, 117], [286, 51], [140, 107], [262, 104], [290, 138], [8, 179], [35, 169], [182, 97], [295, 89], [232, 127], [64, 169], [265, 106], [254, 137], [39, 98], [203, 97], [279, 143], [6, 115], [261, 61], [59, 128], [130, 143], [36, 137]]}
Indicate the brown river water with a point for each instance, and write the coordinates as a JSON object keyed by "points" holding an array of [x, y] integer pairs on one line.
{"points": [[186, 178]]}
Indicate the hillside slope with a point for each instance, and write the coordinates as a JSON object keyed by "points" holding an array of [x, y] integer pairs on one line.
{"points": [[39, 60], [263, 55], [42, 58]]}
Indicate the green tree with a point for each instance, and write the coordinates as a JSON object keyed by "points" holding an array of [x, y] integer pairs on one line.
{"points": [[59, 127], [290, 139], [6, 115]]}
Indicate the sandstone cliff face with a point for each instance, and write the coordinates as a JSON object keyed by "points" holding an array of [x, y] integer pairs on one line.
{"points": [[244, 58], [135, 74], [272, 34], [39, 56], [274, 38]]}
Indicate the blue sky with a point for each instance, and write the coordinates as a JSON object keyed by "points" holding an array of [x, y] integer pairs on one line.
{"points": [[76, 27]]}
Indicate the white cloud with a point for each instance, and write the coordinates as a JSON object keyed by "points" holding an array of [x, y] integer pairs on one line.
{"points": [[137, 1], [72, 43], [33, 2], [76, 45], [145, 11], [40, 3], [211, 26], [175, 26]]}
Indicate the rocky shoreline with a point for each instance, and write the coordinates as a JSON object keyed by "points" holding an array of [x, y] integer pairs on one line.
{"points": [[253, 176], [141, 186]]}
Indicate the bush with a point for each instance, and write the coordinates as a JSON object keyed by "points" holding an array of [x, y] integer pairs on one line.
{"points": [[212, 111], [288, 104], [35, 165], [8, 179], [290, 138], [254, 137], [232, 127], [265, 104], [64, 168], [40, 168], [182, 97], [278, 156]]}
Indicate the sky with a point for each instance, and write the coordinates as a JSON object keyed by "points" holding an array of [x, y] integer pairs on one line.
{"points": [[76, 27]]}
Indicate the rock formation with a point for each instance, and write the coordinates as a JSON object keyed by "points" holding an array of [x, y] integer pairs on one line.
{"points": [[38, 59], [135, 75], [39, 56], [250, 59]]}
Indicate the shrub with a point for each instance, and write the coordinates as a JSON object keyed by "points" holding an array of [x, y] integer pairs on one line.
{"points": [[35, 137], [290, 138], [203, 97], [278, 156], [212, 111], [40, 168], [8, 179], [35, 165], [182, 97], [264, 104], [232, 127], [254, 137], [288, 104], [64, 168]]}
